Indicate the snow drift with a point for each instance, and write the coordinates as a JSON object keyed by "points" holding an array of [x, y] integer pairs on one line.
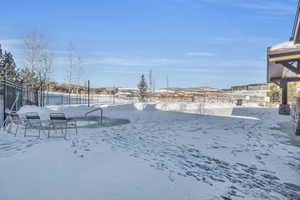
{"points": [[198, 108], [145, 107]]}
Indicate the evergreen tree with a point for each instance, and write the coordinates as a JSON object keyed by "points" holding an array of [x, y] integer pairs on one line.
{"points": [[9, 66], [1, 51], [28, 77], [1, 59], [274, 93], [6, 64], [142, 86]]}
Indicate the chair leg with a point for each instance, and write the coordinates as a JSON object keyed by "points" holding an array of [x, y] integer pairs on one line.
{"points": [[17, 128], [25, 132], [76, 129], [65, 129], [9, 128], [50, 127], [65, 137]]}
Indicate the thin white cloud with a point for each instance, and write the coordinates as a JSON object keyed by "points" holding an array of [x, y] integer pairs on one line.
{"points": [[269, 7], [100, 53], [59, 52], [240, 41], [12, 45], [11, 42], [232, 71], [122, 71], [168, 62], [272, 7], [132, 61], [60, 59], [199, 54]]}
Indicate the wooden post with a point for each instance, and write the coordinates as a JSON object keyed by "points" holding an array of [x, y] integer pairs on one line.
{"points": [[284, 108], [284, 88], [297, 116]]}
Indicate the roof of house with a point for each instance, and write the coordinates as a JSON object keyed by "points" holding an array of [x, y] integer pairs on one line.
{"points": [[285, 52], [295, 37]]}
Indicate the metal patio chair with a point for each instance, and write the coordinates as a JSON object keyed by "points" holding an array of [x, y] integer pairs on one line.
{"points": [[14, 120], [58, 121], [33, 122]]}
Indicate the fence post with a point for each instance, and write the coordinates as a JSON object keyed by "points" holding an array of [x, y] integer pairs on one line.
{"points": [[88, 93], [4, 98], [79, 96], [27, 94], [69, 97]]}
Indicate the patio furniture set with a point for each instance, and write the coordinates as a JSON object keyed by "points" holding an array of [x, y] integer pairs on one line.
{"points": [[32, 121]]}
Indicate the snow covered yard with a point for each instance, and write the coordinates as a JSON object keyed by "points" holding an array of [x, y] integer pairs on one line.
{"points": [[158, 155]]}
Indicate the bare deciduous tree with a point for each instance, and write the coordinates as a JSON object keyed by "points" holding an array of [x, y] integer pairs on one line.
{"points": [[38, 61], [73, 70], [69, 78]]}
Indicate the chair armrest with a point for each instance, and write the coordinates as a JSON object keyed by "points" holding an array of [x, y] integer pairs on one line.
{"points": [[72, 122]]}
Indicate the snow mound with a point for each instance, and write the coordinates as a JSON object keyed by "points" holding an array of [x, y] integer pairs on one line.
{"points": [[27, 108], [198, 108], [254, 105], [140, 106], [43, 112], [144, 107]]}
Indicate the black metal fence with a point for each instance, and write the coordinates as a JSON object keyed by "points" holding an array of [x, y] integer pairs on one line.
{"points": [[65, 98], [84, 99], [14, 95]]}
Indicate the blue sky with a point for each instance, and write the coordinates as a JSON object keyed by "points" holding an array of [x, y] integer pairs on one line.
{"points": [[216, 43]]}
